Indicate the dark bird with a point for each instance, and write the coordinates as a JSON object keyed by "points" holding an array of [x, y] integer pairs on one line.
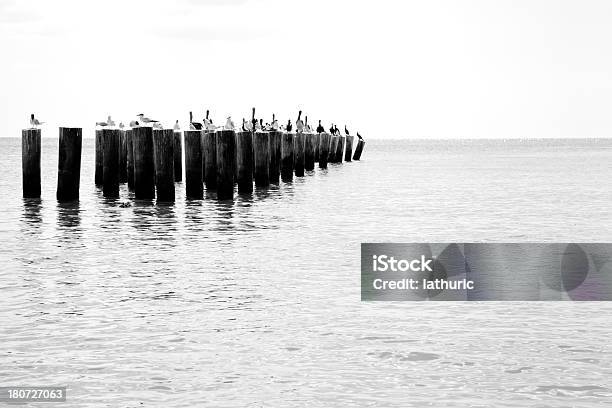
{"points": [[359, 136], [289, 125], [331, 130], [346, 131], [194, 125], [243, 123], [320, 128], [336, 131]]}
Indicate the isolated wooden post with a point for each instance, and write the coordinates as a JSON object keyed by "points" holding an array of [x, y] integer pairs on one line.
{"points": [[287, 156], [340, 149], [177, 146], [358, 150], [30, 162], [331, 157], [163, 152], [226, 151], [144, 167], [210, 160], [309, 151], [99, 170], [69, 164], [317, 142], [193, 164], [300, 144], [110, 155], [261, 147], [244, 160], [122, 157], [275, 156], [324, 146], [129, 161], [349, 148]]}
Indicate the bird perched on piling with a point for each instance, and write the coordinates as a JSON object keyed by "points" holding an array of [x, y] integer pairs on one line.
{"points": [[320, 128], [109, 122], [289, 126], [121, 125], [336, 130], [359, 136], [331, 130], [35, 122], [299, 123], [157, 125], [208, 123], [193, 125], [134, 123], [229, 124], [144, 120], [177, 126], [346, 131], [274, 125]]}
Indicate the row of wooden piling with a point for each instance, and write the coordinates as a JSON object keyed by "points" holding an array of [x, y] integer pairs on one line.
{"points": [[150, 160]]}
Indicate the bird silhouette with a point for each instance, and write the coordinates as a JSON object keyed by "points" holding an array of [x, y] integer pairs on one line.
{"points": [[331, 129], [359, 136], [346, 131], [35, 122], [144, 120], [176, 125], [320, 128], [289, 125]]}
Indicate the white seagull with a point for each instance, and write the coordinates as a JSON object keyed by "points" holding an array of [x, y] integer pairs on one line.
{"points": [[109, 122], [121, 126], [157, 125], [144, 120], [35, 122], [176, 126], [229, 124]]}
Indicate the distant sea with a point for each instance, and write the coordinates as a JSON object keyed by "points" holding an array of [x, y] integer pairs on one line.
{"points": [[256, 302]]}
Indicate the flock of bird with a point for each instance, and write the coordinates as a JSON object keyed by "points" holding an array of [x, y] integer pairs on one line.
{"points": [[301, 126]]}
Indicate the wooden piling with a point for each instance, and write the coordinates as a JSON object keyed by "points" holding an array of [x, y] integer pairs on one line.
{"points": [[331, 157], [177, 146], [359, 150], [309, 151], [261, 149], [340, 149], [317, 141], [299, 154], [349, 148], [129, 159], [324, 146], [30, 162], [99, 171], [122, 157], [163, 152], [69, 164], [275, 156], [210, 160], [144, 167], [287, 156], [194, 188], [244, 161], [226, 152], [110, 157]]}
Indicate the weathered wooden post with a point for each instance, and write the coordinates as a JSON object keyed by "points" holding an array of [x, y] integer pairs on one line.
{"points": [[69, 164], [275, 156], [324, 146], [244, 161], [359, 149], [30, 162], [177, 146], [226, 151], [163, 152], [340, 149], [144, 167], [299, 154], [261, 147], [193, 164], [99, 158], [129, 158], [317, 142], [349, 148], [210, 160], [122, 157], [203, 146], [287, 156], [110, 156], [309, 151], [331, 157]]}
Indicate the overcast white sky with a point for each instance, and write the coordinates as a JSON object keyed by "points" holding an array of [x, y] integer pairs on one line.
{"points": [[390, 69]]}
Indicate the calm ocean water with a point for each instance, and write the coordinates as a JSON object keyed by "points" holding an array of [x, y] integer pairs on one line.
{"points": [[257, 302]]}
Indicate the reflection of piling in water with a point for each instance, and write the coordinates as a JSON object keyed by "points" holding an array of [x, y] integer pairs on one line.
{"points": [[309, 151], [226, 164], [339, 149], [110, 159], [261, 149], [129, 161], [144, 168], [69, 164], [30, 162], [349, 148], [122, 156], [333, 147], [299, 157], [177, 147], [244, 161], [324, 146], [275, 156], [317, 143], [99, 160], [358, 150], [210, 160], [287, 156], [163, 149], [193, 164]]}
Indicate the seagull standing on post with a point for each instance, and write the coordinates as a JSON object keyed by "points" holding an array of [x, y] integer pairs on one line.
{"points": [[299, 123], [320, 128], [193, 125], [346, 131], [144, 120], [35, 122], [176, 126]]}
